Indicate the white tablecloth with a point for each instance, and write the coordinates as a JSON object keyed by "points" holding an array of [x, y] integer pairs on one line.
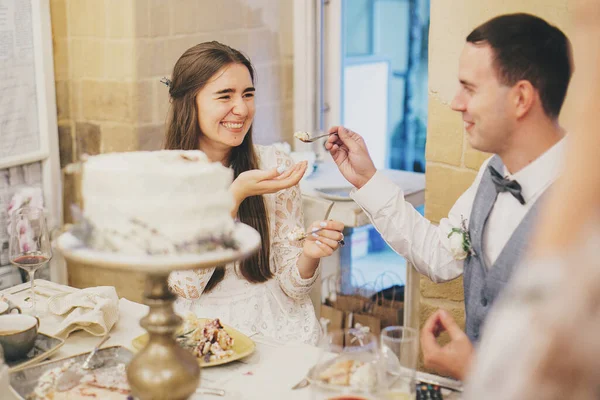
{"points": [[271, 366], [269, 373]]}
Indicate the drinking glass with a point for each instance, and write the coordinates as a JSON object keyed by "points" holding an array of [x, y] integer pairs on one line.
{"points": [[29, 243], [400, 351], [349, 367]]}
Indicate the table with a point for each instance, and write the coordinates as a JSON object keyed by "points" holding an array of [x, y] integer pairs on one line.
{"points": [[266, 374]]}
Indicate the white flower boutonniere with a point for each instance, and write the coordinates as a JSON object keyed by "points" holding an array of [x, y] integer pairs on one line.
{"points": [[460, 241]]}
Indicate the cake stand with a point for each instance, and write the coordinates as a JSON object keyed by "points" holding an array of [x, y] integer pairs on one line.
{"points": [[162, 369]]}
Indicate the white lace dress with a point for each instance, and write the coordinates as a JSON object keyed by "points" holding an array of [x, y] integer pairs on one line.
{"points": [[279, 308]]}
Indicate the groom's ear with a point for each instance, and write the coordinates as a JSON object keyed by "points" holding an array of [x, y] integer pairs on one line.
{"points": [[524, 96]]}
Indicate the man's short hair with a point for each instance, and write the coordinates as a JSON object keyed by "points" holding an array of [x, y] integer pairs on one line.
{"points": [[528, 48]]}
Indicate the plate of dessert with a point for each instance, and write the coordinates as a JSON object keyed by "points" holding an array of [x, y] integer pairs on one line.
{"points": [[348, 376], [212, 342], [346, 372], [41, 382]]}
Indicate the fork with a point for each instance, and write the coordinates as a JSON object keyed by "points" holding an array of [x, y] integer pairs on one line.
{"points": [[88, 364], [306, 234], [210, 391], [302, 384], [314, 138], [71, 377]]}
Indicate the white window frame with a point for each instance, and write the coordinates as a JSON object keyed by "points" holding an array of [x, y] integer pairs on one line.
{"points": [[48, 153], [308, 77]]}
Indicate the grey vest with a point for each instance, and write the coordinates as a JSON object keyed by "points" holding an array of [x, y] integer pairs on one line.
{"points": [[483, 283]]}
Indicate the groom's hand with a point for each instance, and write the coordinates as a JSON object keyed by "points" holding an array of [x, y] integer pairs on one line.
{"points": [[452, 359], [350, 153]]}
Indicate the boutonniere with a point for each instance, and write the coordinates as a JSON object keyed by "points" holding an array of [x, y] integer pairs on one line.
{"points": [[460, 241]]}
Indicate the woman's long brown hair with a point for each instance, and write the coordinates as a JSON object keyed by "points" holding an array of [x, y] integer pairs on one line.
{"points": [[191, 73]]}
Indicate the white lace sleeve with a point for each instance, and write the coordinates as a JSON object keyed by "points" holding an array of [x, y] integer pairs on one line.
{"points": [[190, 284], [287, 215]]}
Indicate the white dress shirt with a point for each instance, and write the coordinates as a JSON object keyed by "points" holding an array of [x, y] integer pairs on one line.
{"points": [[426, 245]]}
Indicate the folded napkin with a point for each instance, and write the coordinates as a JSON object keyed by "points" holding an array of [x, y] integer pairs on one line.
{"points": [[95, 310]]}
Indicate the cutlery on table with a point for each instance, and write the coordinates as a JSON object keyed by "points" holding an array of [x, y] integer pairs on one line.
{"points": [[210, 391], [301, 385], [72, 376]]}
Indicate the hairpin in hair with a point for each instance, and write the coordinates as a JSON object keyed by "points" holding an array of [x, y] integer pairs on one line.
{"points": [[166, 81]]}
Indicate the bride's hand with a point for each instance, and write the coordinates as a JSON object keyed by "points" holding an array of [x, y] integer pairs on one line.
{"points": [[324, 242], [256, 182]]}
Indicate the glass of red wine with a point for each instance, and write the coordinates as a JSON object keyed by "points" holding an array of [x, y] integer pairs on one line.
{"points": [[29, 245]]}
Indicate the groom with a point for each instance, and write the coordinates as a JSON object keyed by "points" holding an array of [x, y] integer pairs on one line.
{"points": [[514, 72]]}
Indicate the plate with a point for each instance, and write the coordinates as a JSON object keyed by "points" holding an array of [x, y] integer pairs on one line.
{"points": [[24, 381], [44, 346], [247, 238], [335, 193], [243, 346]]}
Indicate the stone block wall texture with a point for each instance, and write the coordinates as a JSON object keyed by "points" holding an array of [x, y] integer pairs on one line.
{"points": [[451, 164], [109, 56]]}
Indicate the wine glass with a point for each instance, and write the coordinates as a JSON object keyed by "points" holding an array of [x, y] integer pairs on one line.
{"points": [[400, 351], [29, 244]]}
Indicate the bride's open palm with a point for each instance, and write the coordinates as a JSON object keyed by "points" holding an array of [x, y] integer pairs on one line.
{"points": [[257, 182]]}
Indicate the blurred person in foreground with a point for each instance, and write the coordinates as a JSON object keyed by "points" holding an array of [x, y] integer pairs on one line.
{"points": [[542, 339], [514, 71]]}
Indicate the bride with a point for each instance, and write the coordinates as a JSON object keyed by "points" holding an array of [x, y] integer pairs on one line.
{"points": [[212, 109]]}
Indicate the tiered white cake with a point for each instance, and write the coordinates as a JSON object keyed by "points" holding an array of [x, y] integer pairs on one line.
{"points": [[156, 202]]}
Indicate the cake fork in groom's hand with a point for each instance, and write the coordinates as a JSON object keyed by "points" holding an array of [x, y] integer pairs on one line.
{"points": [[351, 155], [258, 182]]}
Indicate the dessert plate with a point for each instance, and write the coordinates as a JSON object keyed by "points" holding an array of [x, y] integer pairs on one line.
{"points": [[24, 381], [243, 346]]}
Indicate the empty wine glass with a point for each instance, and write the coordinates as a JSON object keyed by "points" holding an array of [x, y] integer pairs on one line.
{"points": [[400, 351], [29, 244]]}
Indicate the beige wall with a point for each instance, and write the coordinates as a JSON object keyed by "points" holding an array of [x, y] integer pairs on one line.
{"points": [[109, 56], [451, 164]]}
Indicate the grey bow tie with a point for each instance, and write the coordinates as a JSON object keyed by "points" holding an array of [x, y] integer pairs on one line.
{"points": [[506, 185]]}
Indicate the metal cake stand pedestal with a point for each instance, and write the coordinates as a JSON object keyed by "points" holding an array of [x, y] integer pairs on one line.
{"points": [[162, 369]]}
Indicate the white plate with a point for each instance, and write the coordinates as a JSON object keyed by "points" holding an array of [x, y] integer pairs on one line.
{"points": [[335, 193], [247, 238], [24, 381]]}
